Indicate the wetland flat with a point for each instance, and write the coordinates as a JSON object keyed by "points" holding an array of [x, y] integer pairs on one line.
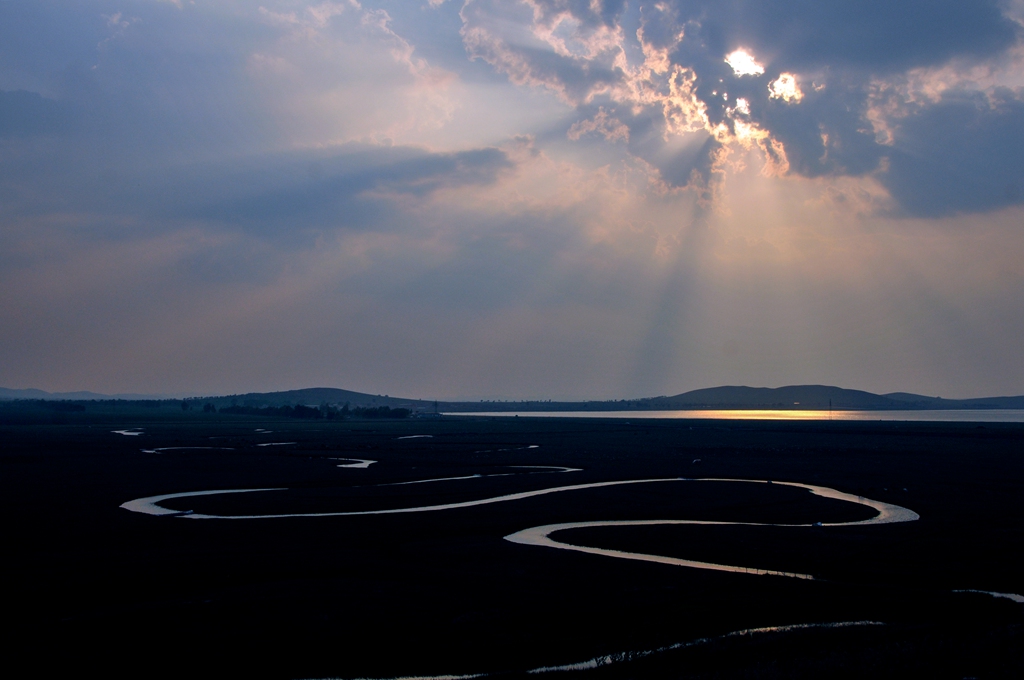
{"points": [[481, 546]]}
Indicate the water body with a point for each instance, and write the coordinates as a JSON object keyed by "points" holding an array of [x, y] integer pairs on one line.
{"points": [[539, 469], [541, 536], [623, 657], [150, 505], [518, 448], [187, 448], [1019, 599], [887, 512], [932, 416], [356, 462]]}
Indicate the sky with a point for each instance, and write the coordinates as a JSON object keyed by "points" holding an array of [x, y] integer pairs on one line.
{"points": [[512, 199]]}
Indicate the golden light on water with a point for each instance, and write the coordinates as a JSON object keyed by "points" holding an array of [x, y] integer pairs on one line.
{"points": [[937, 415], [761, 414]]}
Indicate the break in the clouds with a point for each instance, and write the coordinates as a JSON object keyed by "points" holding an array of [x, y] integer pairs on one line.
{"points": [[540, 198], [823, 88]]}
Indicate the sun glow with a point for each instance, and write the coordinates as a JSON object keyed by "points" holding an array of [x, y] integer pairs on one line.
{"points": [[743, 64], [785, 88]]}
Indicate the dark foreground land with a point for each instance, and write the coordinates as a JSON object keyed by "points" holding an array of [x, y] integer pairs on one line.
{"points": [[91, 586]]}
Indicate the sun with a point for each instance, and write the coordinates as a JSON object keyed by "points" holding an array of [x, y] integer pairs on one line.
{"points": [[743, 63]]}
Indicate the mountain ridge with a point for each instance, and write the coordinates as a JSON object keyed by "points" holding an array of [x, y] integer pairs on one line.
{"points": [[726, 397]]}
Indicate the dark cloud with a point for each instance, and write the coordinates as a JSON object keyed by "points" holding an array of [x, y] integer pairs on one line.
{"points": [[841, 44], [826, 133], [839, 51], [881, 36], [675, 165], [589, 13], [954, 155], [208, 193], [355, 186], [152, 115], [962, 154], [845, 44], [659, 23], [675, 162], [489, 32], [351, 187]]}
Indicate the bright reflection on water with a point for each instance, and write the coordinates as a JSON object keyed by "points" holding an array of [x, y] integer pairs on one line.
{"points": [[951, 415]]}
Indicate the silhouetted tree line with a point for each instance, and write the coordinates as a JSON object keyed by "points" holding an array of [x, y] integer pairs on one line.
{"points": [[41, 405], [37, 411], [58, 406], [381, 412]]}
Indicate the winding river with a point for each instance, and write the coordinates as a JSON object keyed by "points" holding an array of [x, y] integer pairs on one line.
{"points": [[542, 535]]}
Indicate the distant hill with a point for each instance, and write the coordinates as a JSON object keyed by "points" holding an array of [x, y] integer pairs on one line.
{"points": [[793, 397], [309, 397], [919, 401], [820, 397], [6, 393], [728, 397], [314, 396]]}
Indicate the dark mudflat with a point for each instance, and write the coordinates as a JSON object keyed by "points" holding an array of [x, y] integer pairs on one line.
{"points": [[93, 586]]}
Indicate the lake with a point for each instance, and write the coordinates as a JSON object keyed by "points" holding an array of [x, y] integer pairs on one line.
{"points": [[951, 415]]}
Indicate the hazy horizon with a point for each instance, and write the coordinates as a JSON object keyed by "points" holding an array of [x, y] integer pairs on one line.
{"points": [[511, 200], [473, 398]]}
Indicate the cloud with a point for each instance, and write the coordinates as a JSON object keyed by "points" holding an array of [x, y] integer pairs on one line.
{"points": [[497, 197], [610, 128], [826, 133], [218, 77], [964, 153], [347, 187], [566, 47], [798, 80], [873, 35], [155, 112], [288, 197]]}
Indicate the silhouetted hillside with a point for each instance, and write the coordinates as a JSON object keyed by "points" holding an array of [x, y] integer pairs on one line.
{"points": [[315, 396], [727, 397], [919, 401], [794, 397], [6, 393], [791, 397]]}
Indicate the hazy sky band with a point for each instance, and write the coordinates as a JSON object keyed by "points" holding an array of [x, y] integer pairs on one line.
{"points": [[511, 199]]}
